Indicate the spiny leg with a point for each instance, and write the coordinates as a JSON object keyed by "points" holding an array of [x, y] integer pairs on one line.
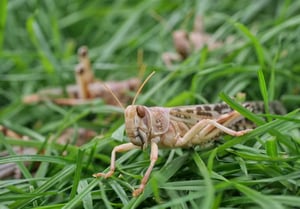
{"points": [[214, 128], [208, 128], [153, 159], [120, 148]]}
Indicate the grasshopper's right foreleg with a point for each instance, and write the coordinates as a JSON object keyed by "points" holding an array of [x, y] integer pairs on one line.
{"points": [[120, 148], [153, 159]]}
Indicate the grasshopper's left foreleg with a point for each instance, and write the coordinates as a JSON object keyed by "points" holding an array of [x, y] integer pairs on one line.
{"points": [[153, 158], [120, 148], [208, 129]]}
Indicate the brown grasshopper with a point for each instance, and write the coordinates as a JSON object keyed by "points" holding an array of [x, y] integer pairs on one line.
{"points": [[185, 43], [183, 126], [87, 87]]}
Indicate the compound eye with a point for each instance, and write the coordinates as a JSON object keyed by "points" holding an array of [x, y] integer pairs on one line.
{"points": [[140, 111]]}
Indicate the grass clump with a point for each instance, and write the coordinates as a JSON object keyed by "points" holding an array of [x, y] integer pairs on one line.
{"points": [[38, 42]]}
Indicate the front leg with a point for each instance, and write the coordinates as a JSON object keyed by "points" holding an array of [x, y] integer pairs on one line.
{"points": [[207, 129], [120, 148], [153, 159]]}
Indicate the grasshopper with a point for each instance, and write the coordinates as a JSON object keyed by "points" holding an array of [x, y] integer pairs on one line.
{"points": [[183, 126], [187, 42], [87, 87]]}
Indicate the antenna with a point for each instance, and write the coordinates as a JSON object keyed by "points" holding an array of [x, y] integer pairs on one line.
{"points": [[136, 95], [114, 96], [141, 87]]}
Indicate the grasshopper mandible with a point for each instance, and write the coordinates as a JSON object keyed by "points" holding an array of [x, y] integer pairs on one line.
{"points": [[183, 126]]}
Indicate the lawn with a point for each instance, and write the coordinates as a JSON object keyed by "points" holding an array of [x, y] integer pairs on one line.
{"points": [[256, 60]]}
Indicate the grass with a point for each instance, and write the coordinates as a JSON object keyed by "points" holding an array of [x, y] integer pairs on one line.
{"points": [[38, 43]]}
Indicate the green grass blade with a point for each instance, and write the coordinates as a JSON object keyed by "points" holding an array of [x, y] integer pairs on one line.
{"points": [[260, 199], [54, 206], [20, 164], [37, 158], [117, 39], [257, 46], [263, 89], [292, 201], [77, 172], [271, 148], [79, 197], [48, 60], [87, 200], [3, 12], [53, 181], [292, 22], [209, 197]]}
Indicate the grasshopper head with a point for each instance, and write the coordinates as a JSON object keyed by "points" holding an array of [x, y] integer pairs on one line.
{"points": [[138, 125], [143, 124]]}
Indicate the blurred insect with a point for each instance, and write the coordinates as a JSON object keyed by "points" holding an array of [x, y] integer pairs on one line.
{"points": [[86, 88], [183, 126], [185, 43]]}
